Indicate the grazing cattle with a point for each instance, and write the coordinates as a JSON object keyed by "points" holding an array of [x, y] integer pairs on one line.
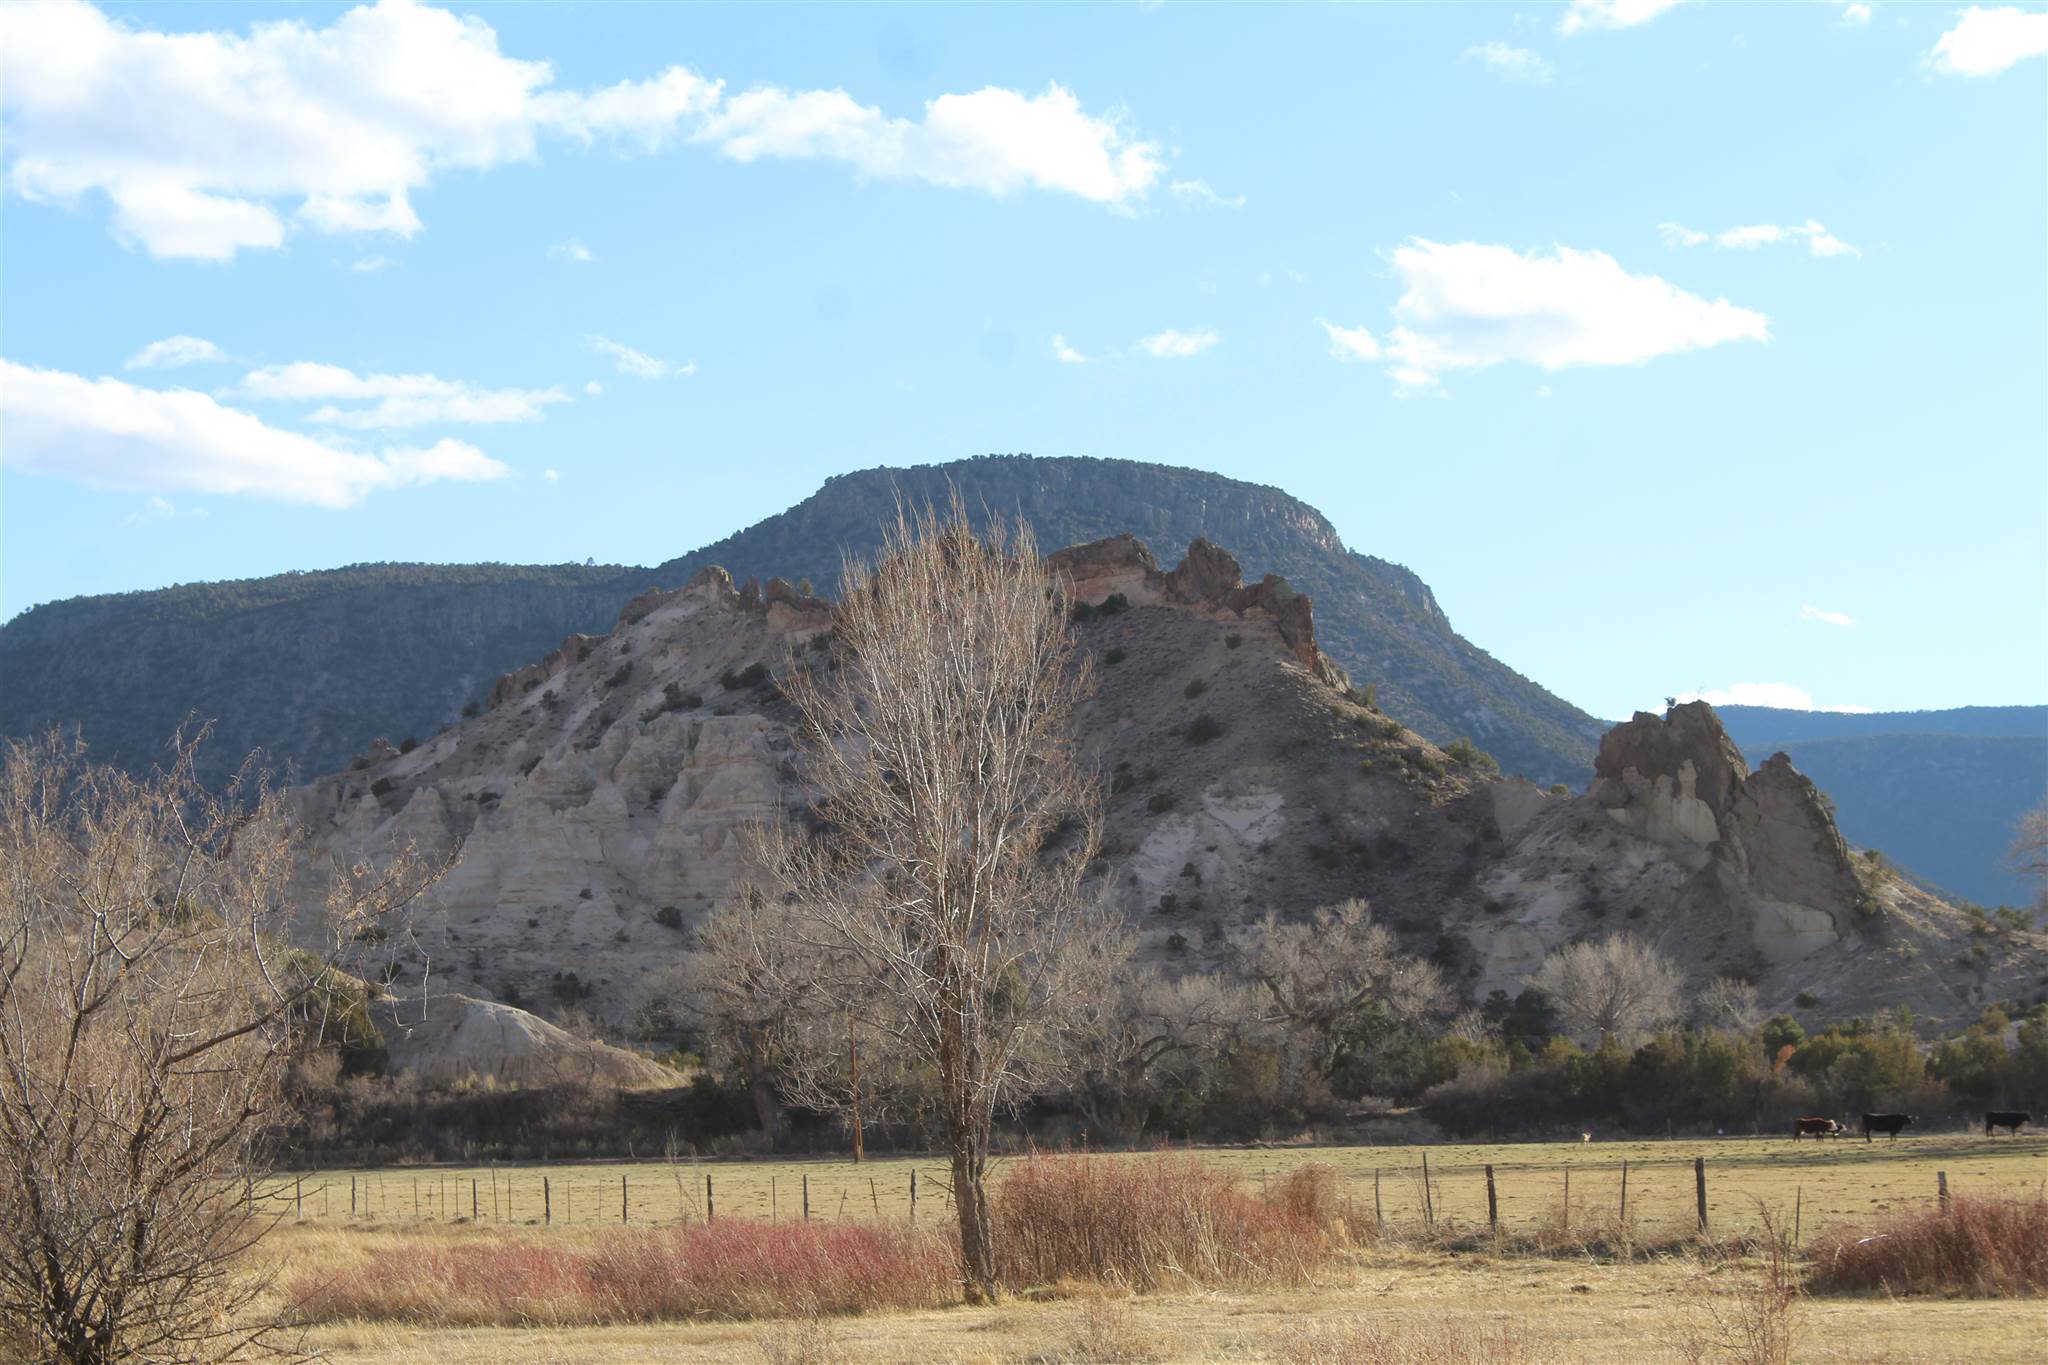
{"points": [[2008, 1119], [1817, 1128], [1885, 1123]]}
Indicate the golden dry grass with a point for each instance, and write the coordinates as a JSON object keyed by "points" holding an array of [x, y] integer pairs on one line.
{"points": [[1833, 1181], [1566, 1308]]}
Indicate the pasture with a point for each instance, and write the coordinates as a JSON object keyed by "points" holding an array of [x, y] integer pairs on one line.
{"points": [[1446, 1295], [1825, 1181]]}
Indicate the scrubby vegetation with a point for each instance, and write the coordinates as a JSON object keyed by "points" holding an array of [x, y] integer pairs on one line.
{"points": [[1970, 1245]]}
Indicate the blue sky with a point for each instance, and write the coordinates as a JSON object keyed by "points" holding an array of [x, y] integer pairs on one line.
{"points": [[1678, 347]]}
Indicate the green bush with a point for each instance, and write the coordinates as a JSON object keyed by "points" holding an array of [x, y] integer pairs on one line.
{"points": [[753, 675], [1202, 729]]}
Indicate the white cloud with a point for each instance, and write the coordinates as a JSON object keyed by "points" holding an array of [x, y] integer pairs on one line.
{"points": [[995, 140], [1612, 14], [159, 508], [369, 265], [1783, 696], [110, 434], [1678, 234], [1985, 42], [552, 475], [1511, 63], [396, 400], [1351, 343], [639, 364], [571, 250], [1819, 241], [212, 142], [1174, 344], [1198, 192], [1066, 354], [592, 387], [1855, 14], [1469, 306], [172, 352], [1832, 618]]}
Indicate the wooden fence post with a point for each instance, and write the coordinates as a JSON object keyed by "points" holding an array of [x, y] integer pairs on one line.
{"points": [[415, 1199], [710, 1206], [622, 1200], [1941, 1188], [1377, 1220], [298, 1199], [547, 1203], [351, 1196], [913, 1196], [807, 1197], [1624, 1194], [875, 1195], [1798, 1198], [1699, 1180], [1428, 1198], [1492, 1205]]}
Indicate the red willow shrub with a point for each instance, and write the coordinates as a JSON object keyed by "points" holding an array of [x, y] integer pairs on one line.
{"points": [[1986, 1247], [736, 1268], [1146, 1223]]}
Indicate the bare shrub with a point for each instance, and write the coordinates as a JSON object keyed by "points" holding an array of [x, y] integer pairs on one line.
{"points": [[1759, 1322], [1147, 1223], [150, 1008], [804, 1340], [1993, 1248], [1468, 1339], [735, 1268], [1108, 1333]]}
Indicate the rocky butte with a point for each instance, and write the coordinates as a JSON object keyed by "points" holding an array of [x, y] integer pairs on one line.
{"points": [[597, 806]]}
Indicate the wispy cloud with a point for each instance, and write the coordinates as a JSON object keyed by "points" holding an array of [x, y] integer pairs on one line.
{"points": [[1066, 354], [1819, 241], [1986, 42], [369, 265], [1511, 63], [1469, 306], [552, 475], [172, 352], [1175, 344], [393, 400], [109, 434], [1612, 14], [1781, 696], [1855, 14], [158, 508], [571, 250], [1198, 192], [1350, 344], [1832, 618], [639, 364]]}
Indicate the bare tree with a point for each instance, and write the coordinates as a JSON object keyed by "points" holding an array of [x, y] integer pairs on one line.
{"points": [[941, 885], [1732, 1004], [149, 1008], [1338, 972], [1155, 1036], [1612, 990], [2030, 849]]}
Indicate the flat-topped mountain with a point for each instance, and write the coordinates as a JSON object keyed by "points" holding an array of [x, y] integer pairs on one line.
{"points": [[312, 667], [599, 800]]}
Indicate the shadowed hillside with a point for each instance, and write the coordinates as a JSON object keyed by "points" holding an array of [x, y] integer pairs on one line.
{"points": [[311, 667]]}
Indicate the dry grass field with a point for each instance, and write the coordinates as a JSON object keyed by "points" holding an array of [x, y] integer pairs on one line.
{"points": [[1830, 1181], [1408, 1297]]}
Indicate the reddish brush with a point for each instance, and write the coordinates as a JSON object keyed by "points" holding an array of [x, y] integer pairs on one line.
{"points": [[1161, 1220], [1973, 1246], [736, 1268]]}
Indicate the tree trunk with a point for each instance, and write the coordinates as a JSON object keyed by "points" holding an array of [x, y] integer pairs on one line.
{"points": [[970, 1199], [767, 1104]]}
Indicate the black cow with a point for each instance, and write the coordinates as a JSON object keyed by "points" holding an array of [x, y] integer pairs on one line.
{"points": [[1816, 1128], [2008, 1119], [1885, 1123]]}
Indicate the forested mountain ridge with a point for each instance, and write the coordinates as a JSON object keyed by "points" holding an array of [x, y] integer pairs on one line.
{"points": [[311, 667]]}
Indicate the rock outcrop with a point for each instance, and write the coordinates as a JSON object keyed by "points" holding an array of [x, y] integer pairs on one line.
{"points": [[599, 807]]}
